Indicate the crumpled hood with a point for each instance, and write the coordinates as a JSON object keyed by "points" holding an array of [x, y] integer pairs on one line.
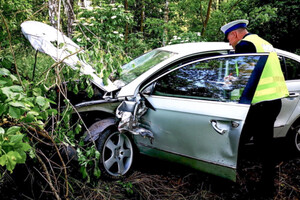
{"points": [[47, 39]]}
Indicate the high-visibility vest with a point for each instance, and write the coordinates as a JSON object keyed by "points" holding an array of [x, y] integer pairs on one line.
{"points": [[271, 84]]}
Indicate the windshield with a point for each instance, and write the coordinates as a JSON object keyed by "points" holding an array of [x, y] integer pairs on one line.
{"points": [[143, 63]]}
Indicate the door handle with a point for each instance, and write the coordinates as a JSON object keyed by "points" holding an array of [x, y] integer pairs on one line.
{"points": [[214, 124], [293, 94]]}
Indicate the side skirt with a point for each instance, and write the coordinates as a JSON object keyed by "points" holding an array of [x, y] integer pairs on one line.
{"points": [[211, 168]]}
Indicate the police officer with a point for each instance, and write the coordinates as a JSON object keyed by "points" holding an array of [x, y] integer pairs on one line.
{"points": [[264, 91]]}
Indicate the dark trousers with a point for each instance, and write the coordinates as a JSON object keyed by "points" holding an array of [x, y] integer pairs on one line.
{"points": [[260, 124]]}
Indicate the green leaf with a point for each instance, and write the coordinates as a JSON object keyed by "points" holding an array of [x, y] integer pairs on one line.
{"points": [[25, 147], [4, 72], [16, 139], [78, 128], [16, 88], [2, 131], [29, 118], [90, 91], [75, 89], [97, 155], [14, 112], [3, 160], [13, 130], [37, 92], [97, 171], [41, 101], [3, 108], [14, 78], [17, 104], [12, 158], [22, 157], [12, 92], [44, 115], [83, 171], [50, 101], [52, 112], [35, 113]]}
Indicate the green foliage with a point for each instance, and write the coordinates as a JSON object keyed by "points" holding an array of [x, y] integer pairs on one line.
{"points": [[14, 12], [17, 108], [13, 148], [88, 160], [103, 37], [127, 186], [283, 29]]}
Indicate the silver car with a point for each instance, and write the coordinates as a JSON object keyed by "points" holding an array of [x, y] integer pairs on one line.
{"points": [[179, 102]]}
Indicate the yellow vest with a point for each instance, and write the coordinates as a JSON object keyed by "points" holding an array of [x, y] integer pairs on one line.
{"points": [[271, 84]]}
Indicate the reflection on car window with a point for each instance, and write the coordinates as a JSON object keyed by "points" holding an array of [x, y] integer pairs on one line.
{"points": [[220, 79], [143, 63], [292, 69]]}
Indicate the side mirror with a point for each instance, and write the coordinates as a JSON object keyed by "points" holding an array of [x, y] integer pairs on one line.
{"points": [[149, 89], [147, 103]]}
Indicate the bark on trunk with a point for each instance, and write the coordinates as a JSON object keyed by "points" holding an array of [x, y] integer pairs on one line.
{"points": [[142, 16], [207, 18], [69, 4], [127, 26], [53, 10], [166, 20]]}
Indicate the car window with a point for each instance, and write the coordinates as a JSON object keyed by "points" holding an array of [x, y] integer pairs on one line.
{"points": [[219, 79], [143, 63], [181, 62], [292, 69]]}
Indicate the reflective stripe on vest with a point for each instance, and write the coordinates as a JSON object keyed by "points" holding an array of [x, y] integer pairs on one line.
{"points": [[271, 84]]}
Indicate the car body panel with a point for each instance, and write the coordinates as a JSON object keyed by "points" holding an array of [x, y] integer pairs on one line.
{"points": [[205, 131], [183, 127]]}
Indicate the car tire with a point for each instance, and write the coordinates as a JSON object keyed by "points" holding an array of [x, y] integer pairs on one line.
{"points": [[294, 140], [116, 154]]}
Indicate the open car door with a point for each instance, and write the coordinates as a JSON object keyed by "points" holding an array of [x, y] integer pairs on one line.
{"points": [[198, 118]]}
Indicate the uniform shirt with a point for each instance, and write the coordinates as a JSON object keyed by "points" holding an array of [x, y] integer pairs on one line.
{"points": [[245, 46]]}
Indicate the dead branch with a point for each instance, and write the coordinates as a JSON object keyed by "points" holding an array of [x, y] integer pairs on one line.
{"points": [[58, 63], [48, 177]]}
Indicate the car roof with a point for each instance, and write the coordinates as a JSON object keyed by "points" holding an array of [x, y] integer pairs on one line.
{"points": [[196, 47]]}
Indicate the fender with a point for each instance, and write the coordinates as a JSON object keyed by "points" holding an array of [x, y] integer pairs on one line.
{"points": [[98, 127]]}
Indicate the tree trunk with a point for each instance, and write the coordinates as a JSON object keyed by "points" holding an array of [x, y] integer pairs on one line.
{"points": [[207, 18], [69, 4], [142, 16], [166, 20], [126, 28], [53, 10]]}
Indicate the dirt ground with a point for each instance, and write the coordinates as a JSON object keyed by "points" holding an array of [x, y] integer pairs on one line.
{"points": [[172, 181], [153, 179]]}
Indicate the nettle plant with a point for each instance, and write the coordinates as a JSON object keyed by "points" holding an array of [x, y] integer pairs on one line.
{"points": [[21, 109]]}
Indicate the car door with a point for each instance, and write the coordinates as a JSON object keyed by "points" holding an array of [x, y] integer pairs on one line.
{"points": [[290, 105], [197, 117]]}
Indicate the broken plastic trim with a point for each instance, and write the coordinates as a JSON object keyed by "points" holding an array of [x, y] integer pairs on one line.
{"points": [[129, 112]]}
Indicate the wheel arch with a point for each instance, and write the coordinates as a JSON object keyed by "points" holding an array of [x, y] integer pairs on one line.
{"points": [[97, 128]]}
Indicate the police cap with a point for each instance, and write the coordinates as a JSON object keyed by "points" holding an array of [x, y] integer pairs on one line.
{"points": [[231, 26]]}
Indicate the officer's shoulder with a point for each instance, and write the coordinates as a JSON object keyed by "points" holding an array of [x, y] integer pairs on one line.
{"points": [[245, 47]]}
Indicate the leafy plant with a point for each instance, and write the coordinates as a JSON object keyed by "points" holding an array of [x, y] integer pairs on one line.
{"points": [[13, 148]]}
